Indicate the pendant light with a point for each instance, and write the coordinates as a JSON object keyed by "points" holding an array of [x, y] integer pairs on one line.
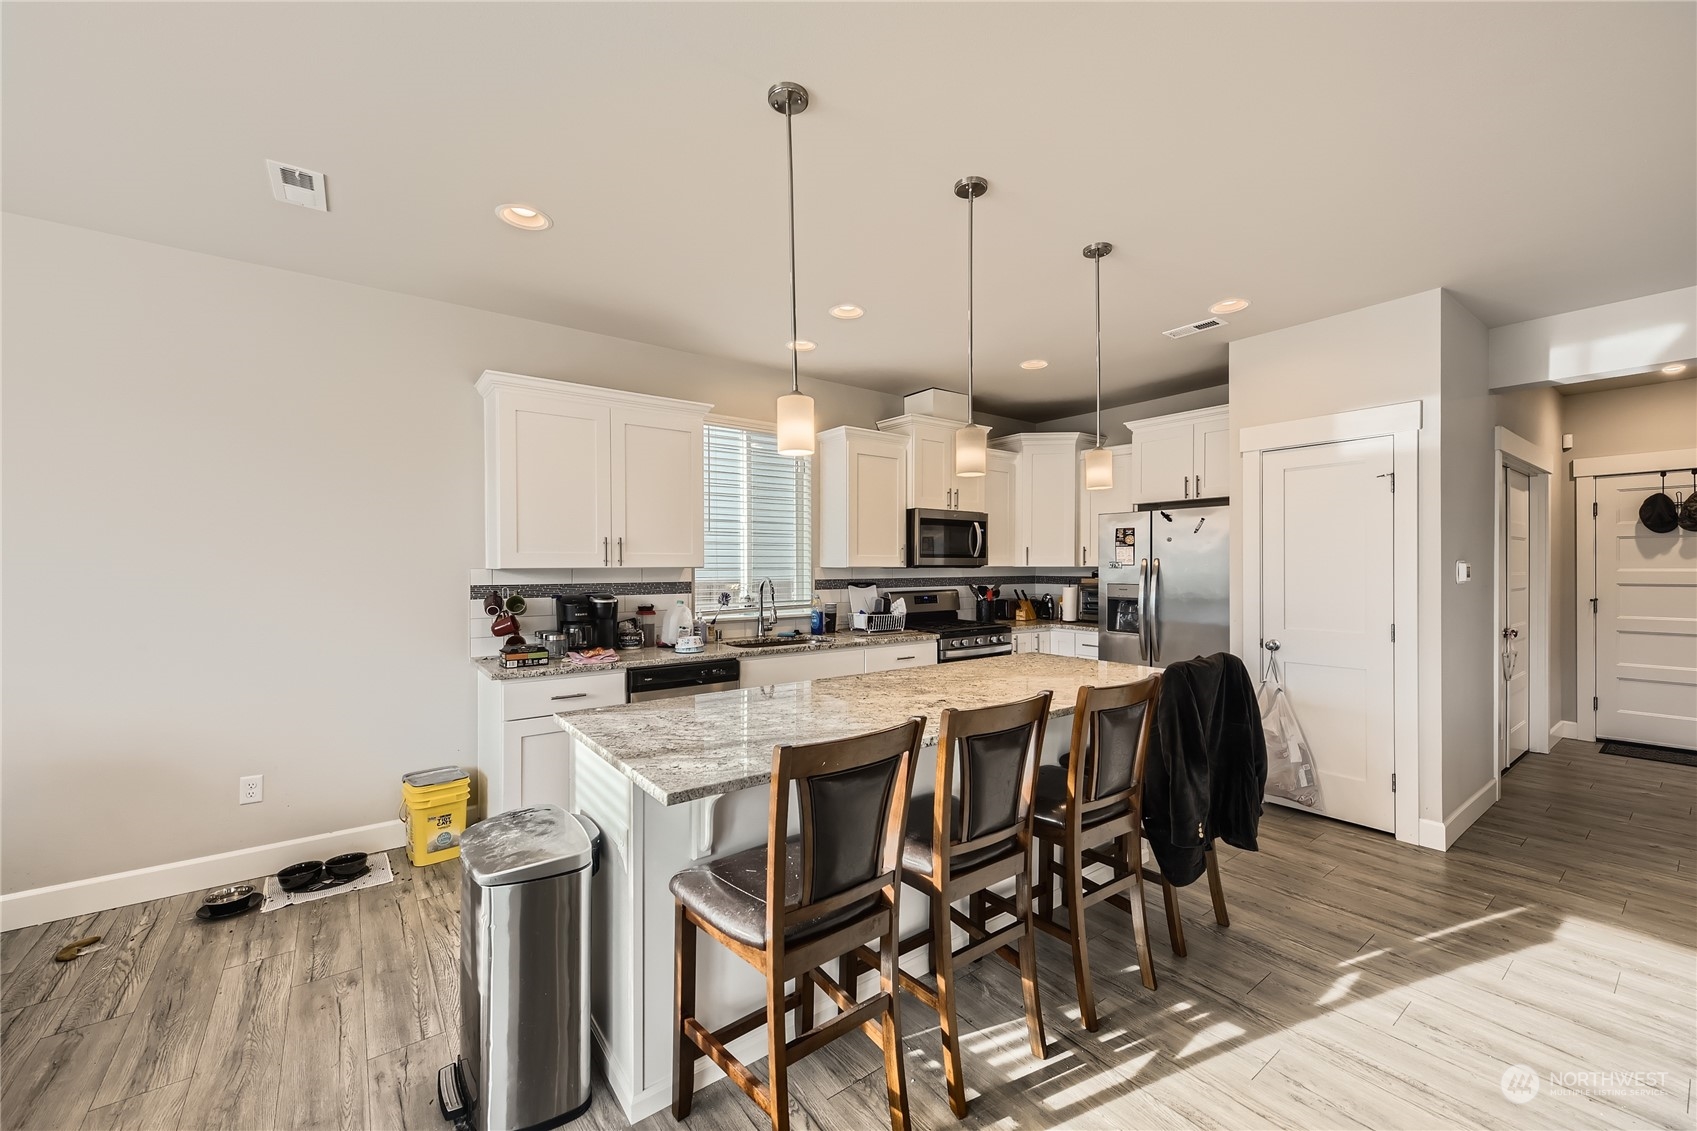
{"points": [[795, 408], [1098, 461], [970, 456]]}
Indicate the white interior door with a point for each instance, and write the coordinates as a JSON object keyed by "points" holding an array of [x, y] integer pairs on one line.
{"points": [[1326, 575], [1516, 631], [1646, 621]]}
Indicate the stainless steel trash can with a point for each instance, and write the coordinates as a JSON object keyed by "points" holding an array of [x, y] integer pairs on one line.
{"points": [[524, 972]]}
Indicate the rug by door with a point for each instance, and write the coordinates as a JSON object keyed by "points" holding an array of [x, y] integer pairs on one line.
{"points": [[1651, 753]]}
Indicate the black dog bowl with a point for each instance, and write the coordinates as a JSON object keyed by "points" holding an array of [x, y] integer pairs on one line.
{"points": [[302, 875], [346, 866]]}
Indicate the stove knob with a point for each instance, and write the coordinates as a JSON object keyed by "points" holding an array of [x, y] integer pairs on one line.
{"points": [[978, 640]]}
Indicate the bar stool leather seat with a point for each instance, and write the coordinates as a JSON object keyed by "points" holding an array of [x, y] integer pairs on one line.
{"points": [[730, 893]]}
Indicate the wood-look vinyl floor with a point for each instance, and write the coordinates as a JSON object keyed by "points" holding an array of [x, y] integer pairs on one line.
{"points": [[1362, 983]]}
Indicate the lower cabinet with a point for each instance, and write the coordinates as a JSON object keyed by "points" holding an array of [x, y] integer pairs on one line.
{"points": [[1059, 642], [917, 655], [800, 667], [1030, 641], [1086, 644], [523, 757]]}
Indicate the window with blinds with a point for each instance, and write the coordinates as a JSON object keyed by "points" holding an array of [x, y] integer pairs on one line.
{"points": [[759, 521]]}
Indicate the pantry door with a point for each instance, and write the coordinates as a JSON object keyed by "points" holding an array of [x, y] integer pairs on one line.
{"points": [[1327, 605], [1516, 631], [1646, 620]]}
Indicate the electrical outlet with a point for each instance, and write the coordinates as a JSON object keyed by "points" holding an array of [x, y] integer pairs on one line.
{"points": [[251, 789]]}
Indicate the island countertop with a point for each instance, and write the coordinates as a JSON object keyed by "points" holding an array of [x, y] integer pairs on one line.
{"points": [[654, 657], [679, 750]]}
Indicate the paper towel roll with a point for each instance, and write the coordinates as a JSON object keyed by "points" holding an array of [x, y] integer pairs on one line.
{"points": [[1069, 603]]}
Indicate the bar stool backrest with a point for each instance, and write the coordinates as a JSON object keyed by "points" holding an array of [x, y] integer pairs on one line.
{"points": [[1110, 740], [996, 750], [852, 796]]}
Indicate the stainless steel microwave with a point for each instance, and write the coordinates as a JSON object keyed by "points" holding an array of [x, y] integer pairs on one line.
{"points": [[947, 538]]}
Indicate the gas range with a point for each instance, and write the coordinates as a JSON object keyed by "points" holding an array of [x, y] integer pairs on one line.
{"points": [[938, 610]]}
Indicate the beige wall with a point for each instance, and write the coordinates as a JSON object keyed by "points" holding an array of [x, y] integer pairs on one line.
{"points": [[1114, 418], [241, 507]]}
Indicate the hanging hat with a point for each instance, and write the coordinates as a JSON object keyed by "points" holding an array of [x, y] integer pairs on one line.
{"points": [[1688, 509], [1658, 513]]}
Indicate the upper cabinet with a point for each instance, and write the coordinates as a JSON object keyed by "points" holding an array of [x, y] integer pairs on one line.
{"points": [[863, 488], [579, 477], [931, 480], [1045, 497], [1092, 505], [1001, 480], [1182, 456]]}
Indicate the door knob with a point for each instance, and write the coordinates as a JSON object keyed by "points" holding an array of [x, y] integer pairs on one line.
{"points": [[1270, 645]]}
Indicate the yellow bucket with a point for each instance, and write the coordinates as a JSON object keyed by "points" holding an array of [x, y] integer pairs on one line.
{"points": [[433, 806]]}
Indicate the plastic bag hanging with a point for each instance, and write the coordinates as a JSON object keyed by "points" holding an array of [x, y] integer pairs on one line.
{"points": [[1291, 773]]}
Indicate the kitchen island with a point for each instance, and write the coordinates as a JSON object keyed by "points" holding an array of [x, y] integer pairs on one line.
{"points": [[676, 782]]}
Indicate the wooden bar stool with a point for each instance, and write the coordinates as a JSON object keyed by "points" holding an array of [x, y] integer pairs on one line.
{"points": [[1089, 812], [791, 906], [988, 840]]}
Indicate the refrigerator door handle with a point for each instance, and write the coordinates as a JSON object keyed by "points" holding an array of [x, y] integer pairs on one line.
{"points": [[1143, 612], [1154, 619]]}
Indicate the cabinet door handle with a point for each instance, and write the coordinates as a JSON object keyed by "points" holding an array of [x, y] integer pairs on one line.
{"points": [[1187, 486], [899, 659], [604, 552], [1198, 486], [573, 695], [1028, 555], [621, 550]]}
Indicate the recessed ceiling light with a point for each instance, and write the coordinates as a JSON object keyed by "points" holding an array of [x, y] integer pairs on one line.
{"points": [[802, 346], [1034, 363], [1676, 367], [847, 311], [1228, 306], [524, 216]]}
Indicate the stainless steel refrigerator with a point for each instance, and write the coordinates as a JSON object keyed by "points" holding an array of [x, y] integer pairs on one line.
{"points": [[1165, 580]]}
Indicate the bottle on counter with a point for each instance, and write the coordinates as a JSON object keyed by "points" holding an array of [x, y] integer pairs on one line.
{"points": [[679, 622], [646, 619], [817, 624]]}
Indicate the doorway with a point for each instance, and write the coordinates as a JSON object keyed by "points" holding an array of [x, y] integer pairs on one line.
{"points": [[1522, 704], [1516, 605], [1327, 611]]}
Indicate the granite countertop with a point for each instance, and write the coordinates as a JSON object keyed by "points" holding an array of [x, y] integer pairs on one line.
{"points": [[679, 750], [1073, 625], [649, 657]]}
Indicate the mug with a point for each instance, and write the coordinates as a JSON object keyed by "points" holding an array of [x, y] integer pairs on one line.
{"points": [[505, 625], [516, 605], [493, 605]]}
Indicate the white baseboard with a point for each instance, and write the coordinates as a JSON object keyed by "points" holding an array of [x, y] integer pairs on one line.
{"points": [[1567, 728], [119, 889], [1441, 834]]}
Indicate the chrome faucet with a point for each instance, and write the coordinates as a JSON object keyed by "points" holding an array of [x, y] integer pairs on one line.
{"points": [[762, 624]]}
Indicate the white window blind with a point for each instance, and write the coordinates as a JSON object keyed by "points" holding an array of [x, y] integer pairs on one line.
{"points": [[759, 521]]}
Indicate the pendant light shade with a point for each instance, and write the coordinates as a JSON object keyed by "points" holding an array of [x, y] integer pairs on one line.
{"points": [[970, 458], [1098, 469], [795, 425], [971, 450], [796, 432], [1098, 461]]}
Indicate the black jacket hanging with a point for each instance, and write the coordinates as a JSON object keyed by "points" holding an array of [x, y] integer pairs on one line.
{"points": [[1206, 770]]}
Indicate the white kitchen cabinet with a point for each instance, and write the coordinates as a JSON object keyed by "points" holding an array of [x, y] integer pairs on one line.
{"points": [[1045, 497], [800, 667], [1059, 642], [1000, 492], [1182, 456], [523, 757], [1092, 505], [1086, 644], [862, 488], [932, 482], [573, 474], [1030, 640], [915, 654]]}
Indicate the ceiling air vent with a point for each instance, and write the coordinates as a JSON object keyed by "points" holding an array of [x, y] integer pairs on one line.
{"points": [[294, 185], [1194, 328]]}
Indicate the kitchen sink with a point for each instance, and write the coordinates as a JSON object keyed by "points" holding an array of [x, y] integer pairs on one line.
{"points": [[769, 642]]}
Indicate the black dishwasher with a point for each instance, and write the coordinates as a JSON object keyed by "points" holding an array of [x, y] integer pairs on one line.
{"points": [[691, 677]]}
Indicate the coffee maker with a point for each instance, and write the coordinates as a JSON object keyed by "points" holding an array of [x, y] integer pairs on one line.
{"points": [[604, 610], [575, 619]]}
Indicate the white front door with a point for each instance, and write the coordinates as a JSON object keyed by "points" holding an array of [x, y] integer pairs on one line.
{"points": [[1326, 575], [1646, 621], [1516, 631]]}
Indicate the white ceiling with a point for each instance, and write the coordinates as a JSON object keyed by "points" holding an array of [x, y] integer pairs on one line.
{"points": [[1533, 157]]}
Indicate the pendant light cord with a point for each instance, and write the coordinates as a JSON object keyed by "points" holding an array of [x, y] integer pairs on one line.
{"points": [[795, 335], [1098, 262], [970, 198]]}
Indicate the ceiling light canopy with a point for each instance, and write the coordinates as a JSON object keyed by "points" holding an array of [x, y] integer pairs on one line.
{"points": [[1676, 367], [1034, 363], [847, 311], [796, 430], [524, 216], [971, 457], [802, 346], [1228, 306]]}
